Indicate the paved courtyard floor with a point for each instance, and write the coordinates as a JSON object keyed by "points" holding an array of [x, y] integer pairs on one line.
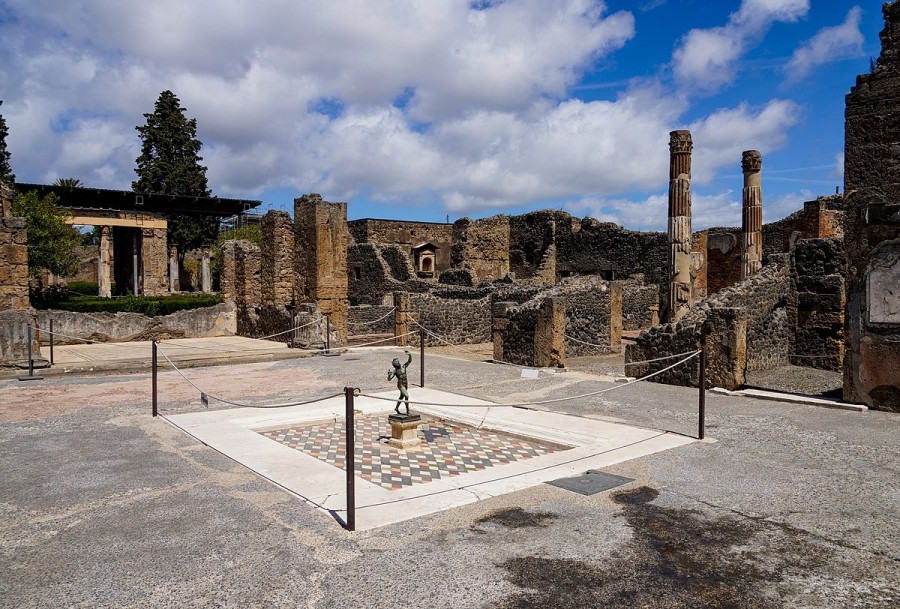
{"points": [[102, 505]]}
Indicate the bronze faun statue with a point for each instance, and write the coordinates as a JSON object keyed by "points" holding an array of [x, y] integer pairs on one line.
{"points": [[402, 383]]}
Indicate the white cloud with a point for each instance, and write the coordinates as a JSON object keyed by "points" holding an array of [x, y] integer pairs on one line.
{"points": [[838, 171], [829, 44], [706, 59]]}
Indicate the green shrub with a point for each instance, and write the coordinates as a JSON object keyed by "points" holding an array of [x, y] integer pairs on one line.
{"points": [[84, 288], [150, 306]]}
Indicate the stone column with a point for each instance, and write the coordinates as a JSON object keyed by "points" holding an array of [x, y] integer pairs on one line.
{"points": [[680, 294], [499, 326], [550, 333], [205, 276], [751, 225], [402, 318], [104, 269], [725, 339], [173, 269], [277, 273]]}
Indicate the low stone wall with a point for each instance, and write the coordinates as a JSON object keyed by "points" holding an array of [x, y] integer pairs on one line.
{"points": [[531, 334], [68, 326], [369, 319], [14, 338], [593, 313], [458, 320]]}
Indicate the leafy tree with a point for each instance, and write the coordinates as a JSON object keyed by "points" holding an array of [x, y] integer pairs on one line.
{"points": [[70, 183], [51, 242], [6, 173], [170, 164]]}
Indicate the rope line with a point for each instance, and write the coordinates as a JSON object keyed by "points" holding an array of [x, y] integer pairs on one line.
{"points": [[538, 403], [383, 340], [572, 338], [368, 323], [240, 404], [660, 359], [316, 321]]}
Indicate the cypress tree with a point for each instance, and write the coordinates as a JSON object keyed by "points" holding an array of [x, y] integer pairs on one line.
{"points": [[169, 164], [6, 173]]}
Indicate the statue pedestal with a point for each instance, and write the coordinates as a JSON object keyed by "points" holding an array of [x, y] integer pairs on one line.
{"points": [[404, 431]]}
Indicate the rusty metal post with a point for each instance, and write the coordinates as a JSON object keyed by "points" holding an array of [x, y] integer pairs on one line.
{"points": [[153, 376], [29, 333], [51, 341], [328, 334], [702, 422], [422, 357], [350, 459]]}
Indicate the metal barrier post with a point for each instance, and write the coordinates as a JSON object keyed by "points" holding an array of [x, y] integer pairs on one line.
{"points": [[51, 341], [350, 459], [422, 356], [328, 334], [153, 376], [31, 376], [702, 422]]}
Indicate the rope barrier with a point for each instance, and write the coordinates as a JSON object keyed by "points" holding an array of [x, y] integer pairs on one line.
{"points": [[572, 338], [369, 323], [317, 321], [240, 404], [539, 403], [383, 340], [660, 359]]}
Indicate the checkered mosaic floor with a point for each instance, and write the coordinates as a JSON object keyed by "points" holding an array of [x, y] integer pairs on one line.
{"points": [[447, 449]]}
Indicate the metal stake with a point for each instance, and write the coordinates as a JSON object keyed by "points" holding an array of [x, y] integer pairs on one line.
{"points": [[422, 356], [31, 376], [350, 459], [702, 422], [51, 341], [153, 376], [328, 335]]}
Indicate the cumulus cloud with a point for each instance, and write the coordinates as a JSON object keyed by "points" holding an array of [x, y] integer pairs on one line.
{"points": [[465, 104], [706, 59], [829, 44]]}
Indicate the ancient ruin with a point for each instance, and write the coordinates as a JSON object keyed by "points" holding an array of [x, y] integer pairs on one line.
{"points": [[751, 227], [680, 281]]}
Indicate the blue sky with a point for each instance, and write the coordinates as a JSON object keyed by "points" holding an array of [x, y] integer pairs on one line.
{"points": [[429, 109]]}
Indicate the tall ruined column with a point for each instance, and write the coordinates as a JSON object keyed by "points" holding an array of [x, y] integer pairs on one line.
{"points": [[173, 269], [680, 146], [104, 281], [751, 224], [205, 275]]}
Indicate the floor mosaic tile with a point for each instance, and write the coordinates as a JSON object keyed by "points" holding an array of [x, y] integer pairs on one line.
{"points": [[447, 449]]}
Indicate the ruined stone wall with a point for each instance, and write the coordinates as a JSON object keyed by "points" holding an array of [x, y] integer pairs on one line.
{"points": [[817, 306], [530, 334], [320, 257], [872, 231], [276, 259], [822, 218], [239, 281], [640, 305], [593, 318], [723, 259], [532, 241], [375, 272], [406, 235], [459, 317], [154, 262], [482, 246], [369, 319], [14, 270], [744, 327]]}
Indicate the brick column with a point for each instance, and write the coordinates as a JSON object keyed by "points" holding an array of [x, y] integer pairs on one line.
{"points": [[499, 325], [402, 317], [680, 293], [751, 225], [725, 338], [104, 268]]}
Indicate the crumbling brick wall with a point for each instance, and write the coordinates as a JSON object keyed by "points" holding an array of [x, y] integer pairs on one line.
{"points": [[640, 304], [240, 261], [458, 316], [369, 319], [154, 262], [723, 259], [593, 317]]}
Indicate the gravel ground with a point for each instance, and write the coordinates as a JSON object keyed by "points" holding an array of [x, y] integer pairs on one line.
{"points": [[103, 506]]}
